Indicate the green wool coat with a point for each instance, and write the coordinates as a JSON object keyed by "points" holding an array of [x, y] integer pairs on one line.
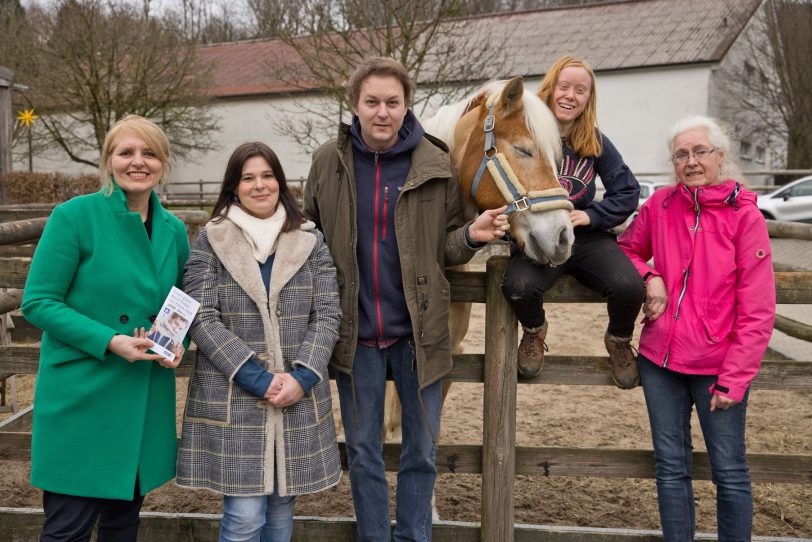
{"points": [[98, 419]]}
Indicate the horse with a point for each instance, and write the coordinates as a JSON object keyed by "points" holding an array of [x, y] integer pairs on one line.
{"points": [[504, 145]]}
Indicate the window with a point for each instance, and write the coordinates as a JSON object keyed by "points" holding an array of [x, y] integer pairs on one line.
{"points": [[803, 189], [760, 154], [748, 80], [745, 150]]}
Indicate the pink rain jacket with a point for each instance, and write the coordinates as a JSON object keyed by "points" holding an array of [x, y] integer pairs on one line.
{"points": [[710, 246]]}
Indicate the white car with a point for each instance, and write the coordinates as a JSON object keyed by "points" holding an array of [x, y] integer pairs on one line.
{"points": [[647, 188], [792, 201]]}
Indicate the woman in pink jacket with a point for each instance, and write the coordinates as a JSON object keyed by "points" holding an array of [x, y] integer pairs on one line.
{"points": [[709, 311]]}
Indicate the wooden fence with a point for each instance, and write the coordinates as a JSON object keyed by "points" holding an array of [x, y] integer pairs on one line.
{"points": [[498, 459]]}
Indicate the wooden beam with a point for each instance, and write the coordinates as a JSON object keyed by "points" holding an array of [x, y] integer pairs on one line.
{"points": [[499, 409], [22, 231], [26, 523], [787, 375], [793, 328], [19, 422], [541, 461], [789, 230], [10, 299]]}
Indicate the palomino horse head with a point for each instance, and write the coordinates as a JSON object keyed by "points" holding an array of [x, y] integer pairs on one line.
{"points": [[504, 144]]}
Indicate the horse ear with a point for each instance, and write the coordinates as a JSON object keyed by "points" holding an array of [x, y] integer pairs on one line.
{"points": [[512, 95]]}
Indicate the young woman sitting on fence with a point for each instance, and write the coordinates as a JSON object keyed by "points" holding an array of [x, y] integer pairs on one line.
{"points": [[568, 89], [709, 312], [104, 414], [258, 426]]}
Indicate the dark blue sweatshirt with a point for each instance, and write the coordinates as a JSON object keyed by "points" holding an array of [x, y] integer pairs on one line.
{"points": [[379, 178], [577, 176]]}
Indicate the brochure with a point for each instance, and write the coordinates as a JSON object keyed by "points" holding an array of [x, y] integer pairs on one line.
{"points": [[172, 323]]}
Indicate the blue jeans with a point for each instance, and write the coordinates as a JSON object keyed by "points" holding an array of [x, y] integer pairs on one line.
{"points": [[362, 414], [264, 518], [669, 399]]}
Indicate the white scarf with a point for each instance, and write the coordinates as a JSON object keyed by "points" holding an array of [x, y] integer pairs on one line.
{"points": [[261, 233]]}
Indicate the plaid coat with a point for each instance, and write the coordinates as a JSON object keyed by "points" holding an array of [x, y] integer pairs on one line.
{"points": [[233, 442]]}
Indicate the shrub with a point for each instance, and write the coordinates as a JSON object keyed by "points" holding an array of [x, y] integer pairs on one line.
{"points": [[25, 187]]}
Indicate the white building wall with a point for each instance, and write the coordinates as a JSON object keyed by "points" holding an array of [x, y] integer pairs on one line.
{"points": [[636, 108]]}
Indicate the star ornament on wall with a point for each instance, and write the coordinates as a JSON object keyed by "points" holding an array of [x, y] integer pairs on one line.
{"points": [[27, 117]]}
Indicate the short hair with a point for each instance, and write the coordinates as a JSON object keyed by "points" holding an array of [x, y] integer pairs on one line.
{"points": [[718, 136], [381, 66], [583, 137], [151, 133], [233, 176]]}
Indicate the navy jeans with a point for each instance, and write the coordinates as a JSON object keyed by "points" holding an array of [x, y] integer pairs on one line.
{"points": [[597, 263], [670, 397], [362, 414]]}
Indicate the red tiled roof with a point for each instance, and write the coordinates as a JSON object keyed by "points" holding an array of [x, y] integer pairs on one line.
{"points": [[610, 36]]}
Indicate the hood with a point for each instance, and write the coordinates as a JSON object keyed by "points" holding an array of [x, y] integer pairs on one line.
{"points": [[729, 192], [409, 137]]}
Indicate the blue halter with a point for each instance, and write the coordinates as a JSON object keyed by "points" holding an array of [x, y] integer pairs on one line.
{"points": [[518, 200]]}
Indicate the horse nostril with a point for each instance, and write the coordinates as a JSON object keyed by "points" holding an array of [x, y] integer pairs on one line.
{"points": [[563, 238]]}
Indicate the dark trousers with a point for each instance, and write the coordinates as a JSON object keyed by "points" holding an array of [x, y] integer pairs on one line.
{"points": [[69, 518], [597, 263]]}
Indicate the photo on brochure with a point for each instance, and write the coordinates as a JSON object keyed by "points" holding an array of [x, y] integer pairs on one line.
{"points": [[172, 323]]}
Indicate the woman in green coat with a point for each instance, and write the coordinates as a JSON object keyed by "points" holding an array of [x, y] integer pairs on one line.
{"points": [[104, 414]]}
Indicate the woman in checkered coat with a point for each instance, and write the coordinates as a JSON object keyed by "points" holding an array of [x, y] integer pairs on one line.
{"points": [[258, 425]]}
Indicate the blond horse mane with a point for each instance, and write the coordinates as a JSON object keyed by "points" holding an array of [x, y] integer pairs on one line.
{"points": [[537, 116]]}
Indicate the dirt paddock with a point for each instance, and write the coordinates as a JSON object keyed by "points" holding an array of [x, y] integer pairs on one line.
{"points": [[571, 416]]}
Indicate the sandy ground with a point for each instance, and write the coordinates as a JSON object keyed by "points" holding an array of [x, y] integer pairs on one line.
{"points": [[582, 416]]}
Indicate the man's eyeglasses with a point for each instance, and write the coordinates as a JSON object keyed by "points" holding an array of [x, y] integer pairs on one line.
{"points": [[699, 154]]}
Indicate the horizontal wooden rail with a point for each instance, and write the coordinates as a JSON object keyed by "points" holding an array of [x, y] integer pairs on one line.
{"points": [[26, 523], [10, 300], [22, 231], [789, 230], [793, 328], [541, 461], [469, 286], [787, 375]]}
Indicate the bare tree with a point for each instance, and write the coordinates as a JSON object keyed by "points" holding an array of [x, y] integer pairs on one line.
{"points": [[327, 39], [96, 61], [771, 88], [208, 21]]}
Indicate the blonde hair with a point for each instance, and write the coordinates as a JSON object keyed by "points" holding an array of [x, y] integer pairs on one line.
{"points": [[718, 136], [151, 133], [584, 138]]}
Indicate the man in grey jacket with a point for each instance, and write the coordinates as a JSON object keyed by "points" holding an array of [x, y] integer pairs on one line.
{"points": [[385, 197]]}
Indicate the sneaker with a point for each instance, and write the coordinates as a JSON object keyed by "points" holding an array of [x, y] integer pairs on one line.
{"points": [[622, 361], [531, 352]]}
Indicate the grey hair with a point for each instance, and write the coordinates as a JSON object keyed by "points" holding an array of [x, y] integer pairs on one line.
{"points": [[718, 136]]}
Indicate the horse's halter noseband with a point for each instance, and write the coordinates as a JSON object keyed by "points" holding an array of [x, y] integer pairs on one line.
{"points": [[517, 196]]}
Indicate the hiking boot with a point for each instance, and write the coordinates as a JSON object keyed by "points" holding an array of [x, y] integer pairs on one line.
{"points": [[622, 361], [531, 351]]}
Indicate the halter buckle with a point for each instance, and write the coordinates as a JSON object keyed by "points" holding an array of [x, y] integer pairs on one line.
{"points": [[522, 204], [490, 122]]}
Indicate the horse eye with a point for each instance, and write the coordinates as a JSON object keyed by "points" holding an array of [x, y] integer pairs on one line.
{"points": [[523, 151]]}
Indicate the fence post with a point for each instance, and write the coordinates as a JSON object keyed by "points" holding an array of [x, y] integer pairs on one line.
{"points": [[6, 125], [499, 431]]}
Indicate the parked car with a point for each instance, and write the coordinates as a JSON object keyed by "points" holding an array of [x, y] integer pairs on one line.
{"points": [[792, 201], [647, 188]]}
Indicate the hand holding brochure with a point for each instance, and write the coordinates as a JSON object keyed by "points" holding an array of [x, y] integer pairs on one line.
{"points": [[172, 323]]}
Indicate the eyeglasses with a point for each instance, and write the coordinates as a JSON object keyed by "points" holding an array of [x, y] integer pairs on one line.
{"points": [[683, 157]]}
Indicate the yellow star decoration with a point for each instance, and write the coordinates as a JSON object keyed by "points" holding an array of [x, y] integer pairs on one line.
{"points": [[27, 117]]}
